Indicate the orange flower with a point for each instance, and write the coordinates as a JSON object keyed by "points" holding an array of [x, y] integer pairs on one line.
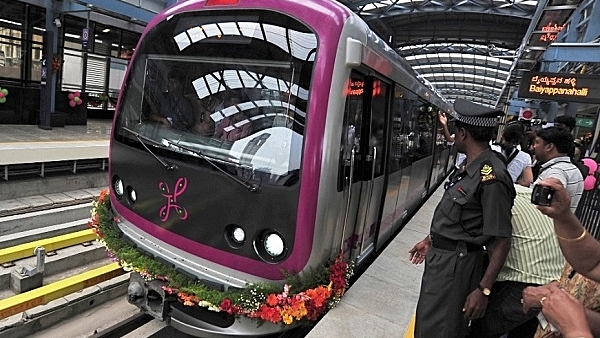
{"points": [[187, 299], [272, 300], [296, 310], [318, 295], [103, 195]]}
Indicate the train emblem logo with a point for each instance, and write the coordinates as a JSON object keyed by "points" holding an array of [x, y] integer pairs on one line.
{"points": [[178, 190]]}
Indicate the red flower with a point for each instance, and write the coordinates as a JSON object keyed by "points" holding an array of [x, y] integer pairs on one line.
{"points": [[269, 313]]}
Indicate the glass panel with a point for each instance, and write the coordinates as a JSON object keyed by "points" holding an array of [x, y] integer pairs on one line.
{"points": [[440, 159], [231, 98], [395, 196], [128, 42], [10, 54], [36, 57], [419, 125], [73, 28], [11, 24], [377, 137], [424, 114], [72, 69], [352, 127]]}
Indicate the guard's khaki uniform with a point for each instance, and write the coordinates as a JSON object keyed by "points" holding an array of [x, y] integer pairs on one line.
{"points": [[475, 207]]}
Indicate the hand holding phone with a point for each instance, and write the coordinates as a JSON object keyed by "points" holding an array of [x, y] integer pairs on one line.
{"points": [[541, 195]]}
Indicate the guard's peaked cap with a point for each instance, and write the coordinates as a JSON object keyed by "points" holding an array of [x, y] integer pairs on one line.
{"points": [[475, 114]]}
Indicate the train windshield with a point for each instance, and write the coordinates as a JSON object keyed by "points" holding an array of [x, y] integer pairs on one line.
{"points": [[228, 86]]}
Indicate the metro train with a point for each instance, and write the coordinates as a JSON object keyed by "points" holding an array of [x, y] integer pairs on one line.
{"points": [[303, 135]]}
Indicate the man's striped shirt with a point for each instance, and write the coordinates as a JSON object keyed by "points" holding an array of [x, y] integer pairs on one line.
{"points": [[534, 255], [569, 175]]}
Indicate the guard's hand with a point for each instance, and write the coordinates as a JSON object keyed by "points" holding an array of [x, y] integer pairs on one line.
{"points": [[419, 251], [475, 305]]}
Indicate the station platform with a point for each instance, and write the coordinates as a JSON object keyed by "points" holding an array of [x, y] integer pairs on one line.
{"points": [[382, 302], [29, 143], [95, 130], [27, 152]]}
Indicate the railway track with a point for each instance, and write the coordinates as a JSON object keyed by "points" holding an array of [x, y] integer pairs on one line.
{"points": [[81, 292], [51, 265]]}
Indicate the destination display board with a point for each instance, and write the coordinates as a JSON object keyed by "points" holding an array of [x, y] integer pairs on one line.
{"points": [[560, 87]]}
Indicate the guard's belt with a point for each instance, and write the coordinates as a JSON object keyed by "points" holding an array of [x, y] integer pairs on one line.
{"points": [[444, 243]]}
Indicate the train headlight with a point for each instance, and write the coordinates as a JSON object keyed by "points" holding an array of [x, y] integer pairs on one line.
{"points": [[235, 235], [274, 245], [118, 186], [238, 235], [271, 246], [132, 194]]}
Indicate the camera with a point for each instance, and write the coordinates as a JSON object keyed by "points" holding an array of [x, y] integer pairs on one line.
{"points": [[541, 195]]}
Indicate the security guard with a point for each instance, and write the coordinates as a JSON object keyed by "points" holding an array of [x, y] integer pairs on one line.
{"points": [[470, 231]]}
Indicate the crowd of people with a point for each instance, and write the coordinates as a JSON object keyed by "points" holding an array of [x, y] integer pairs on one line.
{"points": [[496, 264]]}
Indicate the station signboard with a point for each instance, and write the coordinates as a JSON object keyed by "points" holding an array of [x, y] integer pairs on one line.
{"points": [[85, 38], [561, 87], [584, 122]]}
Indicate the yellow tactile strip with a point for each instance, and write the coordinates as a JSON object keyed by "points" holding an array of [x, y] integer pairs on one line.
{"points": [[47, 293], [49, 244], [410, 330]]}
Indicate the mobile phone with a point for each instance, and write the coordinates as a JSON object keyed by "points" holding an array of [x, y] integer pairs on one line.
{"points": [[541, 195]]}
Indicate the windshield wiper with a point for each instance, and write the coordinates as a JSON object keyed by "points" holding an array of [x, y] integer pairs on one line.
{"points": [[167, 166], [252, 187]]}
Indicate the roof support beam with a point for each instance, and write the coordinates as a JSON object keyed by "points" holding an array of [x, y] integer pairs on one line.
{"points": [[575, 52], [136, 12]]}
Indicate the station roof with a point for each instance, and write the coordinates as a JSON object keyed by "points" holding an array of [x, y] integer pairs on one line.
{"points": [[471, 49]]}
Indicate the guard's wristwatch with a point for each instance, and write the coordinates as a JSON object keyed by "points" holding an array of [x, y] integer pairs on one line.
{"points": [[485, 291]]}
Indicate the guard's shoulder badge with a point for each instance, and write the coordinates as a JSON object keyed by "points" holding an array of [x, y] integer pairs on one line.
{"points": [[487, 172]]}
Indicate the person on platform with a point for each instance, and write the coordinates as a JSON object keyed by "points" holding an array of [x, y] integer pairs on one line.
{"points": [[518, 163], [474, 215], [563, 121], [552, 146]]}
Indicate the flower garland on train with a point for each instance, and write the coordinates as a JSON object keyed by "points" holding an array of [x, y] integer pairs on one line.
{"points": [[301, 299]]}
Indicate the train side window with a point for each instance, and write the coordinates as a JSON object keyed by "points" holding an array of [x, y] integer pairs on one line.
{"points": [[423, 118], [352, 125], [379, 105], [397, 156]]}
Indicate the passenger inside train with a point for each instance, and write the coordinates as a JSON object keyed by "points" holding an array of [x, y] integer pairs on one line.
{"points": [[175, 109]]}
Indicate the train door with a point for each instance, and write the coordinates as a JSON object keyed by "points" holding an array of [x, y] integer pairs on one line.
{"points": [[419, 134], [364, 123], [398, 165]]}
